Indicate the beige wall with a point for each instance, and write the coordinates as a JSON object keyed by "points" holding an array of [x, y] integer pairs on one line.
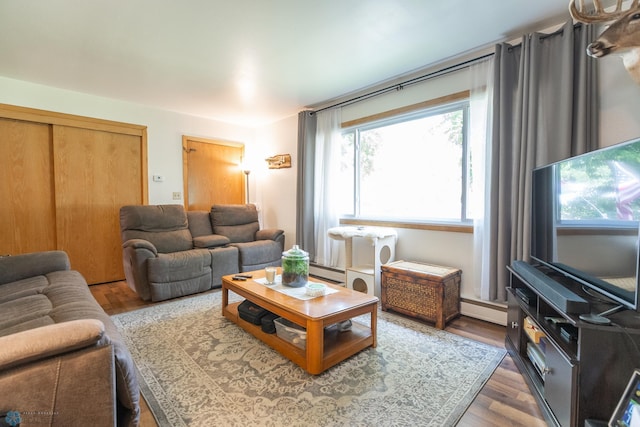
{"points": [[275, 190], [619, 103]]}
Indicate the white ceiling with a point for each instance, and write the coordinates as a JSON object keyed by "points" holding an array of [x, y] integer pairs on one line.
{"points": [[248, 62]]}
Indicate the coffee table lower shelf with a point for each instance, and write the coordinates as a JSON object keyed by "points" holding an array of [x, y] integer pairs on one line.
{"points": [[338, 346]]}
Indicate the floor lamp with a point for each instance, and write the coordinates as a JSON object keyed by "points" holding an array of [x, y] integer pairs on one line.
{"points": [[246, 181]]}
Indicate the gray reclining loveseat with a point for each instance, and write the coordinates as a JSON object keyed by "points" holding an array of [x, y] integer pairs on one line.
{"points": [[169, 252]]}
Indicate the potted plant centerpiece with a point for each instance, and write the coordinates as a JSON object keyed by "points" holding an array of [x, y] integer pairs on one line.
{"points": [[295, 267]]}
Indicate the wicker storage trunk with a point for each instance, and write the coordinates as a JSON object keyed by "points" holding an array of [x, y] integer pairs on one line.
{"points": [[428, 292]]}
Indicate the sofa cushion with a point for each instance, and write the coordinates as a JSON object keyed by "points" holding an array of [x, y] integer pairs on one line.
{"points": [[153, 217], [166, 290], [258, 252], [22, 288], [238, 222], [210, 241], [23, 266], [165, 226], [239, 233], [199, 223], [165, 241], [233, 214], [179, 266], [26, 325], [24, 310]]}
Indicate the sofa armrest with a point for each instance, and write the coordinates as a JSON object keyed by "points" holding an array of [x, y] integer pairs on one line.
{"points": [[210, 241], [46, 341], [140, 244], [269, 234], [60, 374], [18, 267], [135, 254]]}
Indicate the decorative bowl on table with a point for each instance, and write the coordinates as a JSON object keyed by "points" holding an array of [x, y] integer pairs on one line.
{"points": [[315, 289]]}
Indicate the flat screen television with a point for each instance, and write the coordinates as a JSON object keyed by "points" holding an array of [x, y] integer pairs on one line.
{"points": [[584, 220]]}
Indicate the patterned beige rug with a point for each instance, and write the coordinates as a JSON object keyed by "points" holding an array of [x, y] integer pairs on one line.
{"points": [[198, 369]]}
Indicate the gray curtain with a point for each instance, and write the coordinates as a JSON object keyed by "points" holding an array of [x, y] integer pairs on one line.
{"points": [[545, 109], [305, 233]]}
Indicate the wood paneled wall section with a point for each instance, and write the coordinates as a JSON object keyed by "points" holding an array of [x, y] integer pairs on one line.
{"points": [[64, 179]]}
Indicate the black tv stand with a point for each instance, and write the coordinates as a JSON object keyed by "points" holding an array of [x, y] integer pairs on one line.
{"points": [[576, 370], [601, 319]]}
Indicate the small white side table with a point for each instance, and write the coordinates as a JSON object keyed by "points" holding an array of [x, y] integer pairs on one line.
{"points": [[366, 278]]}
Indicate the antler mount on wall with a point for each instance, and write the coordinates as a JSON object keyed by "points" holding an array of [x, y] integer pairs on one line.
{"points": [[622, 36], [279, 161]]}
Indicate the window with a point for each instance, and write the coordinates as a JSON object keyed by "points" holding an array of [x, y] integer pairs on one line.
{"points": [[412, 167]]}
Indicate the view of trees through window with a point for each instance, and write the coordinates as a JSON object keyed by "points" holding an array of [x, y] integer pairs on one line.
{"points": [[407, 168], [601, 187]]}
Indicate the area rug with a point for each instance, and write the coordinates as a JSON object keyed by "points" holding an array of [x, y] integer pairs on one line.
{"points": [[196, 368]]}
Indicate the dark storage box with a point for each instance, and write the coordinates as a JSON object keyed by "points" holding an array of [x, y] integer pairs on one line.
{"points": [[268, 326], [251, 312], [429, 292]]}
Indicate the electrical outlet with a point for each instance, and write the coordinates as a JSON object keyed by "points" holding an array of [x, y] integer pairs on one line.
{"points": [[177, 195]]}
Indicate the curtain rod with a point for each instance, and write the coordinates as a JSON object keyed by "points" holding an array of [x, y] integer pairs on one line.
{"points": [[400, 86], [444, 71]]}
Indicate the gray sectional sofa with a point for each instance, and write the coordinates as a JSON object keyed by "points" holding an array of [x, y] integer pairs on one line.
{"points": [[169, 252], [62, 360]]}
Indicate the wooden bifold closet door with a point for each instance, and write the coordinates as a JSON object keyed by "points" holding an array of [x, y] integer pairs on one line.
{"points": [[64, 179]]}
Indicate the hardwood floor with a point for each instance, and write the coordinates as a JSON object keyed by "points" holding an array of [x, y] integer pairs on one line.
{"points": [[505, 400]]}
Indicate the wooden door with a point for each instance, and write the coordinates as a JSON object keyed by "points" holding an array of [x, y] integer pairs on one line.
{"points": [[212, 173], [97, 172], [27, 217], [63, 179]]}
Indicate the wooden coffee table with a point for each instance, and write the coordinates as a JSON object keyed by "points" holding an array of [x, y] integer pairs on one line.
{"points": [[324, 348]]}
